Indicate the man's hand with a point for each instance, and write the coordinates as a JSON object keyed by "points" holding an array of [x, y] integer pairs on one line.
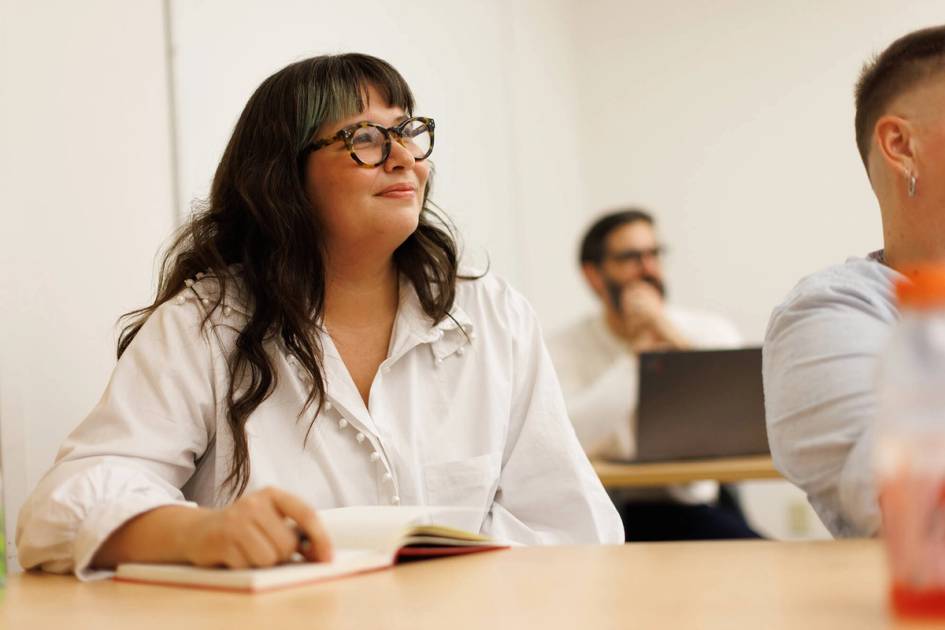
{"points": [[645, 324], [641, 307]]}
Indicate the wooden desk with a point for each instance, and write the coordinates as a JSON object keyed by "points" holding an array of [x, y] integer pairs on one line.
{"points": [[730, 585], [665, 473]]}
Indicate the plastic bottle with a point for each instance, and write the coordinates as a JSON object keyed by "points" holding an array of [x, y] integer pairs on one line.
{"points": [[910, 447]]}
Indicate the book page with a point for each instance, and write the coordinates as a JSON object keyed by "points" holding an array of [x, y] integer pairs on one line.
{"points": [[441, 531], [370, 527], [344, 563], [386, 528]]}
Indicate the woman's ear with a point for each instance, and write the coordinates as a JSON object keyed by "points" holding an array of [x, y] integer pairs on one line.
{"points": [[895, 144]]}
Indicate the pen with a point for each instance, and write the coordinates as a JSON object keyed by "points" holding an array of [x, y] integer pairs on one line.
{"points": [[302, 537]]}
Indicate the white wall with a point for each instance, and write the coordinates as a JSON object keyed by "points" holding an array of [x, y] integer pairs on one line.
{"points": [[497, 76], [85, 175], [733, 121]]}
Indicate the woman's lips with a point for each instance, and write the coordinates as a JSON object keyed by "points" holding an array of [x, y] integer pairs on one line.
{"points": [[398, 191]]}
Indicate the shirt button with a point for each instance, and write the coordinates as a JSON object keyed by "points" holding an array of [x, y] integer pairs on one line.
{"points": [[327, 405], [206, 302], [180, 300], [359, 437], [188, 283], [343, 424], [387, 476], [375, 456], [395, 500], [439, 360], [226, 311], [460, 351]]}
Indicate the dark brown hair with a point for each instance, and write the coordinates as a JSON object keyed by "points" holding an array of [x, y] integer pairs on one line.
{"points": [[908, 61], [595, 239], [258, 232]]}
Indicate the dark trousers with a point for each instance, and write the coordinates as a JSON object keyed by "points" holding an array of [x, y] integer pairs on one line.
{"points": [[655, 521]]}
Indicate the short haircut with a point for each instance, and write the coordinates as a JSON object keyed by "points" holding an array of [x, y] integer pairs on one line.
{"points": [[908, 61], [593, 243]]}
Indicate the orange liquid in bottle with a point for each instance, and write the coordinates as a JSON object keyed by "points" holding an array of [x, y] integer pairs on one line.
{"points": [[907, 602], [913, 507]]}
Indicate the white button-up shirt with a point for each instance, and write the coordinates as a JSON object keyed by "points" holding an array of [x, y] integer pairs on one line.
{"points": [[821, 357], [465, 413]]}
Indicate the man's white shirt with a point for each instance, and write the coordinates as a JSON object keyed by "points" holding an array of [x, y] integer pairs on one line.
{"points": [[599, 376]]}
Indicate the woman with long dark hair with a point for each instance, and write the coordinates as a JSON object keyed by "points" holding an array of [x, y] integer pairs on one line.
{"points": [[313, 345]]}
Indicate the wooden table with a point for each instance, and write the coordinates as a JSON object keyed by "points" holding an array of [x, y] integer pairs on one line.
{"points": [[615, 475], [732, 585]]}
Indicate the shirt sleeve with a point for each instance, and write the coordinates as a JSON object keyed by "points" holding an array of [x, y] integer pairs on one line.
{"points": [[821, 355], [134, 451], [602, 411], [548, 491]]}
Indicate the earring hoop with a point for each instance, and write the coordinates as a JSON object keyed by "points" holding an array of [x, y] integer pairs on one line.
{"points": [[912, 181]]}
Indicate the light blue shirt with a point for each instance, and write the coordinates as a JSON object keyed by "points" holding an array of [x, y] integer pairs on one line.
{"points": [[821, 358]]}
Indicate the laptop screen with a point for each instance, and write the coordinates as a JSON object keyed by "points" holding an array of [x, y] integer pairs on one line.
{"points": [[700, 404]]}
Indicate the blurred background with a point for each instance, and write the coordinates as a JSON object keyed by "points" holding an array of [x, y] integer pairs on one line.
{"points": [[732, 121]]}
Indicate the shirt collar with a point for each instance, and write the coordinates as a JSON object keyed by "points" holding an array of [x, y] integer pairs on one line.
{"points": [[413, 327], [878, 256]]}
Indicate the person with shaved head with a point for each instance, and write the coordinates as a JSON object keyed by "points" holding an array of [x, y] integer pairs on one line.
{"points": [[824, 343]]}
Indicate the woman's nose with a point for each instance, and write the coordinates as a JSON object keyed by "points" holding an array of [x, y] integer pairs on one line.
{"points": [[400, 156]]}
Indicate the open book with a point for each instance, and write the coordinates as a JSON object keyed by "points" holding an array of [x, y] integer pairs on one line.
{"points": [[365, 539]]}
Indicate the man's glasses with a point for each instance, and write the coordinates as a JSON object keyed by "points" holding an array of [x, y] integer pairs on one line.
{"points": [[369, 143], [636, 256]]}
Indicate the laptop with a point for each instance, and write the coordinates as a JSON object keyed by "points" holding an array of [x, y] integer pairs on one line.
{"points": [[700, 404]]}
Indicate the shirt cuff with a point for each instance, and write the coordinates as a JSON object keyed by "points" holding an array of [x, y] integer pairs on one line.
{"points": [[102, 521]]}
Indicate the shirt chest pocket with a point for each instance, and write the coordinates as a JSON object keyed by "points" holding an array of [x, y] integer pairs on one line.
{"points": [[466, 483]]}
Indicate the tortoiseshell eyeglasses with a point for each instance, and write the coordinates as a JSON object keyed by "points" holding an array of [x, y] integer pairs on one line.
{"points": [[369, 143]]}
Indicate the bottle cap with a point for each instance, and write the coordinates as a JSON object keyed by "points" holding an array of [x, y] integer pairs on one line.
{"points": [[923, 287]]}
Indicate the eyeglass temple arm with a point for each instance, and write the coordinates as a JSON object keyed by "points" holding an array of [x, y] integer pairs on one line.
{"points": [[315, 145]]}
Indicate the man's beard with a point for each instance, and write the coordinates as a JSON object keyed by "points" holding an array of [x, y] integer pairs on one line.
{"points": [[615, 289]]}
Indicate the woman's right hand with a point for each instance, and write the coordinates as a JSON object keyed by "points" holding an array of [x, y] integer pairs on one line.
{"points": [[256, 531]]}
